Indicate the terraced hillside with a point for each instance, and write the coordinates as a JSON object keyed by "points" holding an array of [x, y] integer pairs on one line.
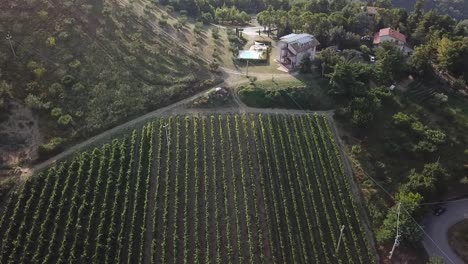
{"points": [[214, 189]]}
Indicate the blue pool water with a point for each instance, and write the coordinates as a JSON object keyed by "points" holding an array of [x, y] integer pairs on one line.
{"points": [[250, 54]]}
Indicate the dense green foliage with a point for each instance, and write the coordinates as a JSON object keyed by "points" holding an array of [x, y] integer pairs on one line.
{"points": [[224, 189], [455, 8], [98, 63]]}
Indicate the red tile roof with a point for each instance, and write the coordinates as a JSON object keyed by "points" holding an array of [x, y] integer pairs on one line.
{"points": [[389, 32]]}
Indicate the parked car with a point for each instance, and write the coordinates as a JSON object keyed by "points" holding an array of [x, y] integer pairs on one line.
{"points": [[439, 210]]}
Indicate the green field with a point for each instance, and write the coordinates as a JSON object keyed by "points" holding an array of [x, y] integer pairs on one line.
{"points": [[222, 189]]}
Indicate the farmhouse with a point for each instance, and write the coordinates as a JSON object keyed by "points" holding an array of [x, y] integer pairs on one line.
{"points": [[394, 36], [293, 47]]}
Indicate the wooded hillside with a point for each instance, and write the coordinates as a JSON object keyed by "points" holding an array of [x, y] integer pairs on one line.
{"points": [[457, 9]]}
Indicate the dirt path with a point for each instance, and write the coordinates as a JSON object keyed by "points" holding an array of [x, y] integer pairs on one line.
{"points": [[174, 109]]}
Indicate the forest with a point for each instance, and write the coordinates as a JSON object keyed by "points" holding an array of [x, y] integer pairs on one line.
{"points": [[457, 9]]}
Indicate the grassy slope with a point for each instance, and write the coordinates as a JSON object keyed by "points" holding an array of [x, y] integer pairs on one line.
{"points": [[119, 67]]}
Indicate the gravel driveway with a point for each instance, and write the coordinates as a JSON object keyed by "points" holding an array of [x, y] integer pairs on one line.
{"points": [[437, 228]]}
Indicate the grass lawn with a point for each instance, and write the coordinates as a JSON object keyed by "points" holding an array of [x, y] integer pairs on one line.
{"points": [[306, 91]]}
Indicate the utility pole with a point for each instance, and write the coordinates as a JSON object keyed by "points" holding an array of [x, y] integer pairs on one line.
{"points": [[397, 237], [339, 240], [9, 38], [165, 128]]}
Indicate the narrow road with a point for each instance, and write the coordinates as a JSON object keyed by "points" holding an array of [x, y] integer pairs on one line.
{"points": [[436, 241]]}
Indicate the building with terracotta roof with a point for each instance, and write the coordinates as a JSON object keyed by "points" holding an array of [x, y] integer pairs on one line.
{"points": [[394, 36], [293, 47]]}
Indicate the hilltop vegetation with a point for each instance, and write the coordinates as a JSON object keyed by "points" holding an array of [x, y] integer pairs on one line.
{"points": [[224, 189], [85, 66], [457, 9]]}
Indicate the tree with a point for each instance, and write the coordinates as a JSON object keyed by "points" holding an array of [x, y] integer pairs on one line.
{"points": [[327, 59], [34, 102], [416, 15], [215, 32], [317, 25], [350, 79], [363, 109], [295, 19], [206, 18], [198, 28], [65, 120], [305, 65], [421, 59], [462, 28], [243, 17], [390, 65], [265, 18], [426, 181], [214, 66], [408, 227], [56, 112], [432, 23], [452, 56]]}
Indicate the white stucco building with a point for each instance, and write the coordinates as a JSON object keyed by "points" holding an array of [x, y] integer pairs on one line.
{"points": [[390, 35], [293, 47]]}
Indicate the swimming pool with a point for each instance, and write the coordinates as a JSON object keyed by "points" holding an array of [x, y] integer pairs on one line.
{"points": [[250, 55]]}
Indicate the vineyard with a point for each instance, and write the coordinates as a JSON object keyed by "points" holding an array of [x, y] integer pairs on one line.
{"points": [[210, 189]]}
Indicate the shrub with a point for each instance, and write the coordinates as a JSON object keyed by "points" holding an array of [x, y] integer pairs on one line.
{"points": [[214, 66], [43, 14], [182, 20], [459, 84], [34, 102], [198, 28], [215, 32], [56, 90], [56, 112], [50, 42], [78, 87], [65, 120], [68, 80], [53, 146], [162, 22], [306, 65], [206, 18], [356, 149], [74, 64]]}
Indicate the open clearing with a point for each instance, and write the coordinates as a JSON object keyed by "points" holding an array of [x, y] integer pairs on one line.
{"points": [[221, 188]]}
